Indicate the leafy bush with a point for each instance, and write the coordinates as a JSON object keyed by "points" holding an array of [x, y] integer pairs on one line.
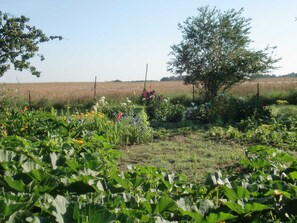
{"points": [[157, 107], [281, 133], [135, 129], [175, 113], [227, 109], [270, 97], [181, 99]]}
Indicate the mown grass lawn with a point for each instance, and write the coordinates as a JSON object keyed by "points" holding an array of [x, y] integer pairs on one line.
{"points": [[190, 154]]}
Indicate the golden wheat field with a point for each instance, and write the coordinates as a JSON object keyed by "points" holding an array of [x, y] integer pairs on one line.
{"points": [[81, 91]]}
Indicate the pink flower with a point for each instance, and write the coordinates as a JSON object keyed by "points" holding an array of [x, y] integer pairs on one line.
{"points": [[119, 116]]}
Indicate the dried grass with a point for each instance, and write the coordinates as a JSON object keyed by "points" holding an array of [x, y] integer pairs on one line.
{"points": [[84, 91], [266, 86]]}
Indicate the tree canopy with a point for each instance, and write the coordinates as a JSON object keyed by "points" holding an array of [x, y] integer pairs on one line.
{"points": [[19, 43], [215, 51]]}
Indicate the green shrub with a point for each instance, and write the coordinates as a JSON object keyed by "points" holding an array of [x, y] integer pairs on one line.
{"points": [[157, 106], [181, 99], [135, 129], [130, 122], [228, 109], [176, 113]]}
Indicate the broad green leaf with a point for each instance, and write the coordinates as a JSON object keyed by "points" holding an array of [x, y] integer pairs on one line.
{"points": [[18, 185], [235, 207], [256, 164], [241, 192], [73, 164], [92, 213], [37, 174], [293, 189], [147, 206], [137, 181], [236, 193], [230, 194], [255, 207], [221, 216], [197, 218], [165, 203], [284, 157], [293, 175], [120, 180], [8, 207]]}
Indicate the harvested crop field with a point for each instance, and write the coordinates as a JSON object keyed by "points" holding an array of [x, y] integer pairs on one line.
{"points": [[80, 91]]}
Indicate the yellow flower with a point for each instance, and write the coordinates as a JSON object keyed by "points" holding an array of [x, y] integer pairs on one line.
{"points": [[100, 115], [80, 142], [277, 193]]}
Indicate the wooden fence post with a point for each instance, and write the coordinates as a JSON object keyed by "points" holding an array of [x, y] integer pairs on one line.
{"points": [[258, 90], [95, 88], [145, 78], [30, 102]]}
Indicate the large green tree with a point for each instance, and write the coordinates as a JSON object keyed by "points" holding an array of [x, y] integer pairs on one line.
{"points": [[215, 51], [19, 43]]}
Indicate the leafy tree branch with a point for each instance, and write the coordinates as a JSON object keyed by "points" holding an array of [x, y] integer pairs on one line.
{"points": [[19, 43]]}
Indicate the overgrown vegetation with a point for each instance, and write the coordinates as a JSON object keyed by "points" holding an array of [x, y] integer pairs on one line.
{"points": [[66, 160], [68, 168]]}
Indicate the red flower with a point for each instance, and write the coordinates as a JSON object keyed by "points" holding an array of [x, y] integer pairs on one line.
{"points": [[119, 116]]}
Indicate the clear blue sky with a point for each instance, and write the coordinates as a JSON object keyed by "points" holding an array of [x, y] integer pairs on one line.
{"points": [[115, 39]]}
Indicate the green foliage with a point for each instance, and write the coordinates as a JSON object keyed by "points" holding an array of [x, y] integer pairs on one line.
{"points": [[181, 99], [215, 51], [278, 131], [19, 43], [175, 113], [135, 129], [130, 122], [270, 97], [228, 109], [64, 169], [157, 107], [10, 101], [72, 182]]}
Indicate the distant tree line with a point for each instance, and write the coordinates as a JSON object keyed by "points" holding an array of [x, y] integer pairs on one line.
{"points": [[181, 78], [173, 78], [117, 80], [293, 74]]}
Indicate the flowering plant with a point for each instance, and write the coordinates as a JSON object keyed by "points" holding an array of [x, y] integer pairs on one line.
{"points": [[129, 125], [157, 106]]}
